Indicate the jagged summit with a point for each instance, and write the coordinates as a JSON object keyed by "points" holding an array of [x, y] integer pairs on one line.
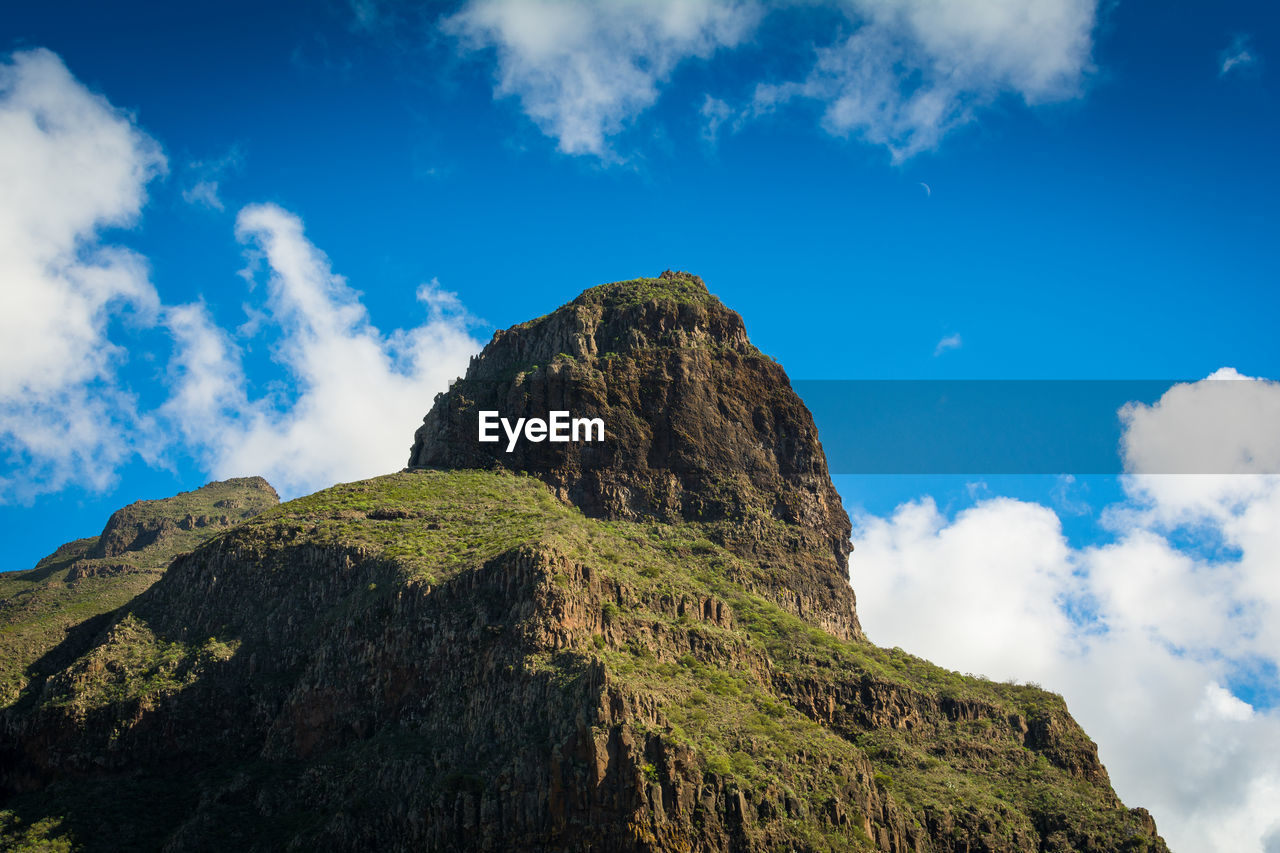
{"points": [[625, 334]]}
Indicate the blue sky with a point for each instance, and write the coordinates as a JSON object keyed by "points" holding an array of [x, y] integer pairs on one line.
{"points": [[314, 212]]}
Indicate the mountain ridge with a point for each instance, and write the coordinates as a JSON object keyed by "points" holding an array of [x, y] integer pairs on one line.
{"points": [[597, 648], [700, 426], [84, 579]]}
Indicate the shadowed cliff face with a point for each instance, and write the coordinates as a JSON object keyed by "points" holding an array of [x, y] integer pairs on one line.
{"points": [[700, 425]]}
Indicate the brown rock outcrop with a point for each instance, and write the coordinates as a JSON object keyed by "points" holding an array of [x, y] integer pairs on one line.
{"points": [[699, 426]]}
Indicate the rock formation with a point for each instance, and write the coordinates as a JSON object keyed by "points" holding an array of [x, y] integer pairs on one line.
{"points": [[700, 426], [643, 644]]}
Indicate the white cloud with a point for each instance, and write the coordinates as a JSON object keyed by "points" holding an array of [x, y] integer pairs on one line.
{"points": [[1169, 625], [1221, 704], [70, 165], [912, 70], [206, 177], [714, 113], [900, 73], [205, 193], [349, 397], [356, 394], [206, 380], [1239, 56], [916, 569], [948, 342], [1226, 424], [583, 70]]}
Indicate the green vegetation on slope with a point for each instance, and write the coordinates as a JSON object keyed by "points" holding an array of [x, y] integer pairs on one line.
{"points": [[433, 524], [680, 288], [673, 289], [87, 578], [763, 701], [38, 610]]}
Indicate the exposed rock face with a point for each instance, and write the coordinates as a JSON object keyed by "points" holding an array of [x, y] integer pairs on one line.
{"points": [[700, 426], [460, 659]]}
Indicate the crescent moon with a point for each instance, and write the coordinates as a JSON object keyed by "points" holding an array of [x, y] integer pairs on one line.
{"points": [[927, 192]]}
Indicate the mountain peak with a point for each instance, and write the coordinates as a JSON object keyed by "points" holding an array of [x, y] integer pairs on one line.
{"points": [[642, 642], [698, 425], [680, 287]]}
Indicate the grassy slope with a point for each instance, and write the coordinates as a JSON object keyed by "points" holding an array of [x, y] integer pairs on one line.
{"points": [[39, 606], [235, 499], [737, 724], [437, 525]]}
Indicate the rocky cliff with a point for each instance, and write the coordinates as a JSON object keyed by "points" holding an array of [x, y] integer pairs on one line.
{"points": [[700, 426], [630, 646]]}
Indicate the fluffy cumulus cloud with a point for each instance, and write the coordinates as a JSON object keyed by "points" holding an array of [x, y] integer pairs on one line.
{"points": [[71, 165], [354, 394], [1164, 641], [1224, 424], [911, 70], [344, 397], [582, 70]]}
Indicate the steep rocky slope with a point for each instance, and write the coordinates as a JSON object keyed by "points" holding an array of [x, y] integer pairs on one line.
{"points": [[70, 590], [605, 648]]}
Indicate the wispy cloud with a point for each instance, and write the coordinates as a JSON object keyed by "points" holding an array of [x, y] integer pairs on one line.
{"points": [[71, 165], [913, 70], [365, 15], [203, 193], [206, 176], [714, 113], [906, 73], [1068, 496], [1147, 637], [353, 394], [582, 71], [948, 343], [1238, 56]]}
